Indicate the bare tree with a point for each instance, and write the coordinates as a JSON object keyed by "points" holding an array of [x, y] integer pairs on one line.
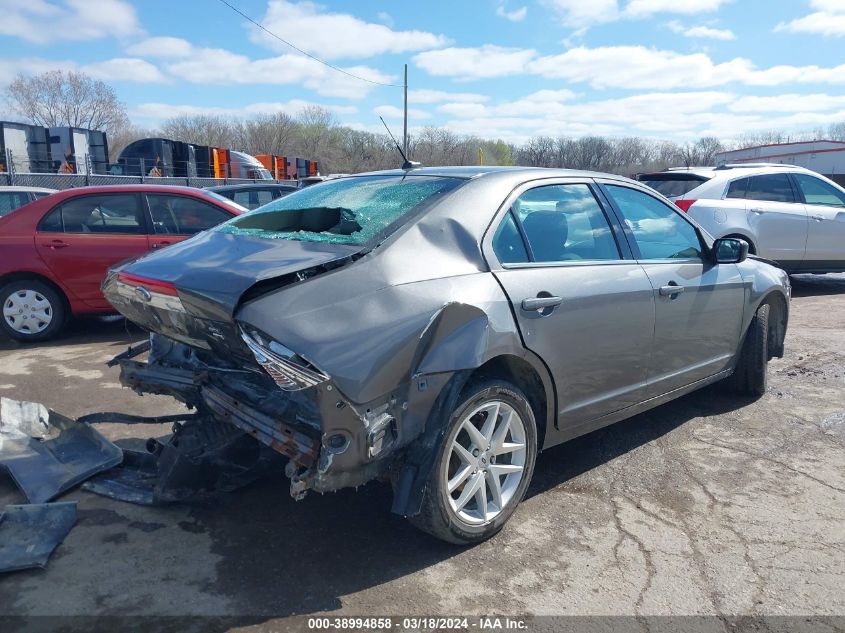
{"points": [[266, 134], [57, 99], [202, 129]]}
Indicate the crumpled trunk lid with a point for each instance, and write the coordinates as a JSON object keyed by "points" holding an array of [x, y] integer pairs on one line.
{"points": [[190, 291]]}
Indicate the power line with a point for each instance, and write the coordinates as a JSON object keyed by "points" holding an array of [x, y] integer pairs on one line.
{"points": [[296, 48]]}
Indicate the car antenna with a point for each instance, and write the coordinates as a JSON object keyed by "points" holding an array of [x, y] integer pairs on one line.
{"points": [[408, 164]]}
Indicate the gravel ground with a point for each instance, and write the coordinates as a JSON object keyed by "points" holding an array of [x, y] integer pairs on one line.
{"points": [[708, 505]]}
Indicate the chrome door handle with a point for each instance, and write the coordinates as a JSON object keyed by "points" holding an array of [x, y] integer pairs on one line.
{"points": [[541, 303], [758, 210], [668, 291], [817, 218], [56, 244], [160, 244]]}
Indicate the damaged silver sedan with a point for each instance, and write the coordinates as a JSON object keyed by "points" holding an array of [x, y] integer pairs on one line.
{"points": [[438, 327]]}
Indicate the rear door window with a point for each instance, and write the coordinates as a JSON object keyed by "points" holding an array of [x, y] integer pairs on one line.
{"points": [[564, 223], [508, 244], [108, 213], [737, 188], [183, 215], [770, 188]]}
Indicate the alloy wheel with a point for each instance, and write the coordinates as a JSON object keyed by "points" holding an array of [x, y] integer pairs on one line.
{"points": [[486, 462]]}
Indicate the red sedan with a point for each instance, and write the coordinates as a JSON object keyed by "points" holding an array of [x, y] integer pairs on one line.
{"points": [[54, 252]]}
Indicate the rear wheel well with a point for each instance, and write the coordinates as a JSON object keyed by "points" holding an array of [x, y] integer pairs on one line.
{"points": [[20, 276], [752, 249], [777, 323], [519, 372]]}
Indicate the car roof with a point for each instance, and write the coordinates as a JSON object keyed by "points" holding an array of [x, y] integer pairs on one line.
{"points": [[731, 171], [192, 191], [250, 185], [495, 173], [27, 189]]}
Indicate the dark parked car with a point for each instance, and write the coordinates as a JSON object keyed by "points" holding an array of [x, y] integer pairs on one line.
{"points": [[439, 327], [255, 195], [54, 252]]}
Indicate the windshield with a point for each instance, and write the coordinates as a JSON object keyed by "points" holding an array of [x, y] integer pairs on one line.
{"points": [[344, 211], [673, 185]]}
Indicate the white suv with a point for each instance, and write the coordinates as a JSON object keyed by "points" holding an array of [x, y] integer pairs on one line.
{"points": [[787, 214]]}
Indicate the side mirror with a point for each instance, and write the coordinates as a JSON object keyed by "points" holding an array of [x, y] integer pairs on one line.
{"points": [[729, 250]]}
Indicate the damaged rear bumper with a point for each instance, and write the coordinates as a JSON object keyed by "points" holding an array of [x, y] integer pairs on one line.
{"points": [[328, 442]]}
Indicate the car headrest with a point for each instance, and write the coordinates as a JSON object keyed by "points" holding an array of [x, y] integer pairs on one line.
{"points": [[547, 232]]}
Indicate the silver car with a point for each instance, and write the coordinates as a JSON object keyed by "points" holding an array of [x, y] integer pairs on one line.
{"points": [[787, 214], [438, 327]]}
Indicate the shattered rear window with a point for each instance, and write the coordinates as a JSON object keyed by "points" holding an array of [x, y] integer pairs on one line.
{"points": [[344, 211]]}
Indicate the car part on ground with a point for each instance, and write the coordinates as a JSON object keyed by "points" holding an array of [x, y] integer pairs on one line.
{"points": [[30, 533], [345, 326], [201, 458], [46, 453]]}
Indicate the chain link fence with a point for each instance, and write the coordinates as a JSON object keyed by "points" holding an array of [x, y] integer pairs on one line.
{"points": [[33, 173], [68, 181]]}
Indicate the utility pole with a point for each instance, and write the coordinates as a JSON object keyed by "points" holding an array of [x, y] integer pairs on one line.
{"points": [[405, 129]]}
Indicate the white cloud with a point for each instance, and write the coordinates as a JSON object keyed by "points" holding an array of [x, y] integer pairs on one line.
{"points": [[11, 67], [392, 112], [436, 96], [579, 14], [119, 69], [678, 115], [154, 113], [517, 15], [628, 67], [701, 31], [638, 67], [643, 8], [335, 35], [475, 63], [219, 66], [163, 47], [125, 69], [43, 22], [792, 102], [828, 20]]}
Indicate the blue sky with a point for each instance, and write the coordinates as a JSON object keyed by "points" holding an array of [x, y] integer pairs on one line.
{"points": [[674, 69]]}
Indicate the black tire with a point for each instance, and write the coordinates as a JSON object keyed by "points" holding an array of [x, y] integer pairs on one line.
{"points": [[437, 517], [57, 310], [750, 377]]}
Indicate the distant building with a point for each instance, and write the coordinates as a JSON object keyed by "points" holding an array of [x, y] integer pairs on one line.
{"points": [[824, 157]]}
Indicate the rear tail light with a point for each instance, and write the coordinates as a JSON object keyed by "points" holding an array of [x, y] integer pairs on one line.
{"points": [[684, 205], [159, 294], [289, 371]]}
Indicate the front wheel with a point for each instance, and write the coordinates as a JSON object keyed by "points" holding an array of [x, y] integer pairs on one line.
{"points": [[750, 377], [483, 467]]}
